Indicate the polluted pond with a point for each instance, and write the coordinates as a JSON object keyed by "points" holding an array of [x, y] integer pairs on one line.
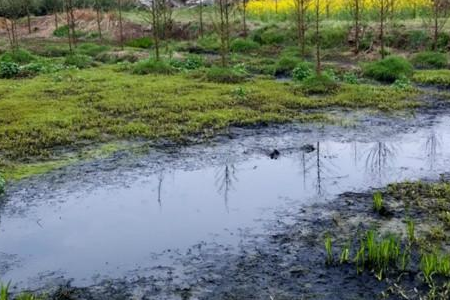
{"points": [[277, 213]]}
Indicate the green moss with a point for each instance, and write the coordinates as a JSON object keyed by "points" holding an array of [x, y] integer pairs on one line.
{"points": [[39, 117], [433, 77]]}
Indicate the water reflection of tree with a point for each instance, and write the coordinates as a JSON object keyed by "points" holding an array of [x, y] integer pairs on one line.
{"points": [[318, 165], [432, 144], [159, 188], [225, 180], [379, 158]]}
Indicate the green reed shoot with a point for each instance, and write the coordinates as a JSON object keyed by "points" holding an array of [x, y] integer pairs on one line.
{"points": [[377, 202], [4, 291], [345, 254], [360, 258], [428, 266], [329, 250], [410, 229]]}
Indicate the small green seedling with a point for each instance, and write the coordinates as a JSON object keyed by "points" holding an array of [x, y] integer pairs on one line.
{"points": [[329, 250], [378, 202]]}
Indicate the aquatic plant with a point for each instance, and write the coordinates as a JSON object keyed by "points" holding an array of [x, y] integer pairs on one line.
{"points": [[345, 254], [410, 230], [378, 254], [2, 184], [4, 291], [378, 202], [329, 250]]}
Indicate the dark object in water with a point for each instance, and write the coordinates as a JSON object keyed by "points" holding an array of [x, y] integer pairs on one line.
{"points": [[275, 154], [308, 148]]}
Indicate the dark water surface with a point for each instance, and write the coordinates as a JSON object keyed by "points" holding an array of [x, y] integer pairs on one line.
{"points": [[109, 229]]}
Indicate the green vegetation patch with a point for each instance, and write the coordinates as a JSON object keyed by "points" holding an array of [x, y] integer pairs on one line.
{"points": [[40, 117], [430, 60], [389, 69], [433, 77]]}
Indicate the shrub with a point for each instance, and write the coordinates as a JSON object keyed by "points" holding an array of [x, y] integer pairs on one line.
{"points": [[430, 60], [225, 75], [319, 84], [2, 184], [56, 51], [286, 65], [80, 61], [152, 66], [333, 37], [389, 69], [403, 83], [143, 43], [302, 71], [244, 45], [9, 69], [209, 43], [273, 37], [91, 49], [350, 78], [19, 56], [418, 39], [192, 62], [63, 31]]}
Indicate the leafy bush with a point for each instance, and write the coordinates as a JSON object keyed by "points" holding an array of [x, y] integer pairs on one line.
{"points": [[333, 37], [143, 43], [56, 51], [80, 61], [418, 39], [430, 60], [225, 75], [286, 65], [273, 37], [152, 66], [350, 78], [63, 31], [9, 69], [19, 56], [244, 45], [403, 83], [192, 62], [388, 69], [36, 68], [91, 49], [302, 71], [2, 184], [319, 84], [209, 43]]}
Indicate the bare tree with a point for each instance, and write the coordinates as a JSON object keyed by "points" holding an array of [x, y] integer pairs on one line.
{"points": [[437, 16], [318, 38], [356, 7], [12, 10], [223, 11], [383, 8], [200, 16], [301, 7], [244, 16]]}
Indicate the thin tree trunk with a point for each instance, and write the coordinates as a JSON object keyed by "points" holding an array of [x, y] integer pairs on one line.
{"points": [[121, 24], [99, 24], [155, 24], [72, 23], [382, 16], [201, 18], [69, 33], [435, 27], [356, 26], [56, 19], [244, 4], [318, 59], [28, 20]]}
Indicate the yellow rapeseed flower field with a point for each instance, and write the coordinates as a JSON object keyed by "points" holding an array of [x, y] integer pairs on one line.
{"points": [[332, 6]]}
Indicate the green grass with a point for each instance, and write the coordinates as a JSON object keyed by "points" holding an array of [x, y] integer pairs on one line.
{"points": [[40, 118], [433, 77], [378, 202]]}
